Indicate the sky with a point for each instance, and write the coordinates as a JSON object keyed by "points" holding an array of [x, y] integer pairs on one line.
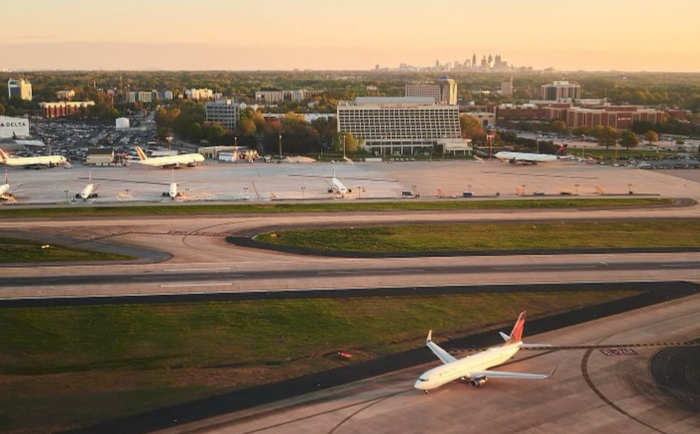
{"points": [[626, 35]]}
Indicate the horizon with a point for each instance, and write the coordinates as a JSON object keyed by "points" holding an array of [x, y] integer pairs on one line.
{"points": [[273, 35]]}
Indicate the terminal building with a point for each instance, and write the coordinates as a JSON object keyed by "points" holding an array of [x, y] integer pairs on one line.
{"points": [[13, 127], [274, 96], [222, 111], [443, 92], [19, 89], [401, 125]]}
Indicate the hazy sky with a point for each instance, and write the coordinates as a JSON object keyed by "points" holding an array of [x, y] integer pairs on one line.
{"points": [[354, 34]]}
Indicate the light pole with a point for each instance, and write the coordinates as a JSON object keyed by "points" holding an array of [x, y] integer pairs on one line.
{"points": [[280, 146], [490, 138], [303, 188], [344, 146], [523, 187], [576, 189], [583, 137], [235, 141], [537, 143], [629, 189], [66, 192]]}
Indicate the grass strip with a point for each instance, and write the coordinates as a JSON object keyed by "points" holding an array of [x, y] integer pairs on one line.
{"points": [[118, 360], [23, 251], [340, 206], [493, 237]]}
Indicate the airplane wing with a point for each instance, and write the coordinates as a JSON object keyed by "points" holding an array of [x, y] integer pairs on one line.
{"points": [[441, 354], [504, 374]]}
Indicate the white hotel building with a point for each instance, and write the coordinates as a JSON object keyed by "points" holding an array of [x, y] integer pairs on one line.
{"points": [[402, 125]]}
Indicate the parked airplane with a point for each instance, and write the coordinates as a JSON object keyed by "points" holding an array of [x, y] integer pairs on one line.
{"points": [[338, 187], [43, 161], [5, 193], [525, 157], [475, 368], [89, 192], [174, 161]]}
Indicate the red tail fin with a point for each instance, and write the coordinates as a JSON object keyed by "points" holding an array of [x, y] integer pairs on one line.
{"points": [[517, 334]]}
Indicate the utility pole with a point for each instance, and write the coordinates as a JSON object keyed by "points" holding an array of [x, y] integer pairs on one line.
{"points": [[344, 146], [280, 146]]}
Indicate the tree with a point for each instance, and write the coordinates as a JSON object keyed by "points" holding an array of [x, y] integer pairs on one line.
{"points": [[2, 109], [471, 128], [352, 144], [607, 136], [628, 139], [558, 127], [651, 137]]}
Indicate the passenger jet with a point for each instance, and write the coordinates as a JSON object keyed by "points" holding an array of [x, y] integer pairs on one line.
{"points": [[475, 368], [338, 187], [525, 157], [174, 161], [47, 161]]}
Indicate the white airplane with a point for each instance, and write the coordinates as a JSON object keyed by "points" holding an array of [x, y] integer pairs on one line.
{"points": [[174, 161], [338, 187], [89, 192], [525, 157], [475, 368], [48, 161], [5, 193]]}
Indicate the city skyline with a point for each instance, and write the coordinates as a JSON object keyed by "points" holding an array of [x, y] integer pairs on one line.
{"points": [[623, 35]]}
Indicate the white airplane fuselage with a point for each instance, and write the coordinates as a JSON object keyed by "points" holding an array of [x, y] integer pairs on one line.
{"points": [[87, 192], [172, 161], [172, 191], [525, 157], [339, 187], [463, 368], [52, 160]]}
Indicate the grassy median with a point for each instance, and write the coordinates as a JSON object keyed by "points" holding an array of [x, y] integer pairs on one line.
{"points": [[331, 206], [493, 236], [23, 251], [76, 366]]}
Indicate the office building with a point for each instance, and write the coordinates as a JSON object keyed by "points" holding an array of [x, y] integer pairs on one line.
{"points": [[619, 117], [399, 125], [561, 91], [19, 89], [65, 108], [507, 87], [165, 95], [442, 92], [222, 111], [199, 94], [65, 94], [142, 97], [275, 96]]}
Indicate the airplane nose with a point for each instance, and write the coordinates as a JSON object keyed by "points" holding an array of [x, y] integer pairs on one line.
{"points": [[418, 385]]}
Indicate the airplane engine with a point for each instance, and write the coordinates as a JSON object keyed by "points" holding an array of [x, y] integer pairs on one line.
{"points": [[513, 161], [478, 381]]}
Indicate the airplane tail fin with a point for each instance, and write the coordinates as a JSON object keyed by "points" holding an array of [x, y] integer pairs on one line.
{"points": [[90, 177], [517, 334], [6, 178], [141, 154], [333, 173], [3, 155], [430, 337]]}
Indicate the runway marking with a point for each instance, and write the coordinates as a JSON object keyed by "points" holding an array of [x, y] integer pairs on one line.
{"points": [[589, 382], [195, 285], [678, 265]]}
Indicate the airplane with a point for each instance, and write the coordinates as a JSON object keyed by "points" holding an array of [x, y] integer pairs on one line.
{"points": [[5, 193], [525, 157], [174, 161], [338, 187], [89, 192], [476, 367], [29, 162]]}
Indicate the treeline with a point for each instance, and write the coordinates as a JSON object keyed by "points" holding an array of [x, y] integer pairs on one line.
{"points": [[187, 120]]}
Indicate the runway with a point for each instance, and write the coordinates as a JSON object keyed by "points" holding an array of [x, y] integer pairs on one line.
{"points": [[590, 393]]}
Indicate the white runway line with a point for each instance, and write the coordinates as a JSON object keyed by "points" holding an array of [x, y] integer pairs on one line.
{"points": [[195, 285]]}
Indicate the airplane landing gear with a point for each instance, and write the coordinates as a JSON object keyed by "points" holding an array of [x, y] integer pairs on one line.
{"points": [[427, 392]]}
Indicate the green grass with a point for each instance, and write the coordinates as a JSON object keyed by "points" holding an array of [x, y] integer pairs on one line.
{"points": [[23, 251], [81, 365], [494, 236], [344, 206]]}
